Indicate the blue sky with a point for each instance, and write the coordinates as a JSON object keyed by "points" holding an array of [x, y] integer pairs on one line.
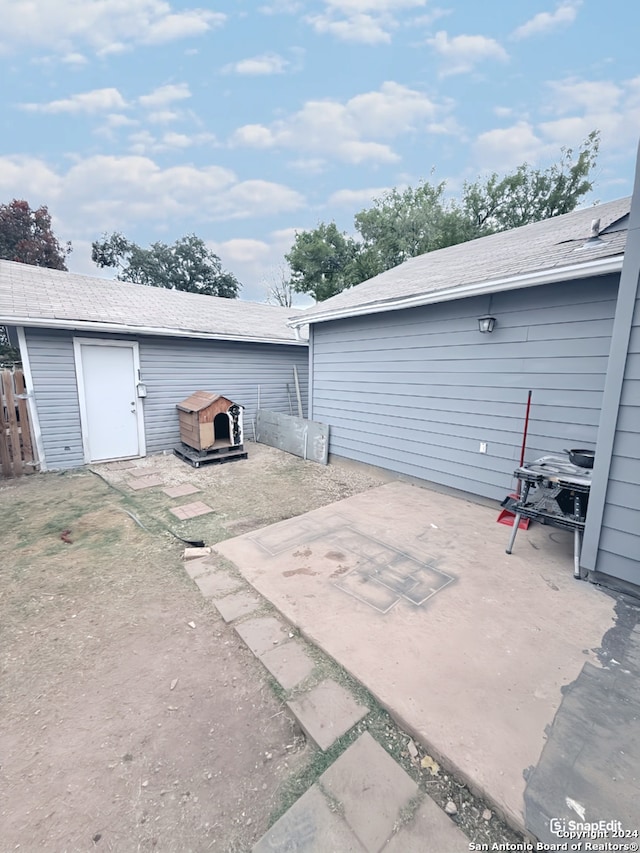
{"points": [[244, 121]]}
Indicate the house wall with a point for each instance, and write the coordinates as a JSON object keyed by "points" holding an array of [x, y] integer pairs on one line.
{"points": [[416, 391], [611, 546], [171, 368], [619, 543]]}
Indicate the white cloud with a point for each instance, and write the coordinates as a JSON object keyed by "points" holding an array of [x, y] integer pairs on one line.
{"points": [[144, 142], [346, 131], [74, 59], [365, 21], [586, 105], [258, 66], [578, 107], [548, 22], [97, 101], [257, 263], [105, 27], [103, 193], [505, 148], [593, 96], [163, 116], [352, 199], [461, 54], [164, 95]]}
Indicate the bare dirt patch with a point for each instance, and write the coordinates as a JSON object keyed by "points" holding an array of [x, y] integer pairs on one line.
{"points": [[97, 751]]}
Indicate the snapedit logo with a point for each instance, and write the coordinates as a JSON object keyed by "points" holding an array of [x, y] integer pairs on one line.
{"points": [[563, 828]]}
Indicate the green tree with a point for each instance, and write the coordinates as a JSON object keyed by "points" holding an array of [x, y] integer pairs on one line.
{"points": [[186, 265], [322, 262], [405, 223], [26, 236]]}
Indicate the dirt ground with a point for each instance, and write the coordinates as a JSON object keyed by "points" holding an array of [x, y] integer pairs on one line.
{"points": [[122, 726]]}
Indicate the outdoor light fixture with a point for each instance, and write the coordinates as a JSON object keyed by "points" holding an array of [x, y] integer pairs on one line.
{"points": [[486, 324]]}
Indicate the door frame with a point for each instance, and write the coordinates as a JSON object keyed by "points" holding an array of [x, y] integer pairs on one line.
{"points": [[78, 343]]}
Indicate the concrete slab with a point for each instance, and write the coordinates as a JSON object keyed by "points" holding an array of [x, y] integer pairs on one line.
{"points": [[372, 790], [145, 482], [216, 583], [120, 466], [181, 491], [262, 634], [199, 566], [429, 831], [192, 510], [327, 712], [412, 592], [310, 826], [289, 664], [234, 606]]}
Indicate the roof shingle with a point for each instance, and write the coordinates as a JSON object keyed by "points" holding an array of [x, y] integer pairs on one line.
{"points": [[547, 245], [37, 296]]}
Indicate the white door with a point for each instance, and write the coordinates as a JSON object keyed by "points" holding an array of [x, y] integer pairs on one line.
{"points": [[110, 410]]}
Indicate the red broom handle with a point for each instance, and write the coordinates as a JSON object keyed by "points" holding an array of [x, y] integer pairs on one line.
{"points": [[526, 429], [524, 441]]}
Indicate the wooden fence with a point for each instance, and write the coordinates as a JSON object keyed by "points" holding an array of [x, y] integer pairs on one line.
{"points": [[16, 446]]}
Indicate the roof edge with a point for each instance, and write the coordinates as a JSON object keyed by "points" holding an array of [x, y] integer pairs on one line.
{"points": [[602, 266], [91, 326]]}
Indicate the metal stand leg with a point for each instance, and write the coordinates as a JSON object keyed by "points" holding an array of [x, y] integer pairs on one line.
{"points": [[514, 530], [516, 520], [576, 554], [577, 542]]}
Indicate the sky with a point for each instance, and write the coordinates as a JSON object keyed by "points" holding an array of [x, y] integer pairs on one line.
{"points": [[244, 122]]}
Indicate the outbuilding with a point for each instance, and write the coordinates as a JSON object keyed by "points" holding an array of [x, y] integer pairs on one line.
{"points": [[425, 369], [106, 362]]}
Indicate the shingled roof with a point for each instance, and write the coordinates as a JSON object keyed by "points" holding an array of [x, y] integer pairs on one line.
{"points": [[35, 296], [552, 250]]}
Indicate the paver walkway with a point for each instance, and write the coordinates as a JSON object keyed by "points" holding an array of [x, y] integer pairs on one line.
{"points": [[364, 802]]}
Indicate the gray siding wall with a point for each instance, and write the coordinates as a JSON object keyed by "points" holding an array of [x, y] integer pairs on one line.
{"points": [[416, 391], [619, 545], [53, 373], [171, 368]]}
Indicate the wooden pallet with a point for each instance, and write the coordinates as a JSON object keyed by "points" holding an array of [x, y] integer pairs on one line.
{"points": [[215, 456]]}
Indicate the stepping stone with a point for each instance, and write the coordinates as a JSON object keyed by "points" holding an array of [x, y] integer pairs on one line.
{"points": [[262, 634], [327, 712], [201, 566], [145, 482], [372, 790], [181, 490], [142, 472], [234, 606], [429, 831], [289, 664], [120, 466], [310, 826], [216, 584], [190, 510]]}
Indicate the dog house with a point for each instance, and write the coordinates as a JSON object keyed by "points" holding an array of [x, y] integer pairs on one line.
{"points": [[210, 421]]}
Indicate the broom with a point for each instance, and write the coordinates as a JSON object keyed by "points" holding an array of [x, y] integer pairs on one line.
{"points": [[506, 515]]}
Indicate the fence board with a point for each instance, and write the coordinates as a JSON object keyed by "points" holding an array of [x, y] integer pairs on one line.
{"points": [[14, 432], [23, 411], [16, 445]]}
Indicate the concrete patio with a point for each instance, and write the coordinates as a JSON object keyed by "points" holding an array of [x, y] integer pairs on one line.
{"points": [[498, 664]]}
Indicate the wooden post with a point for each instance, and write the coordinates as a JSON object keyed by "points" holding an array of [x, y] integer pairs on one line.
{"points": [[297, 384], [5, 458], [14, 432], [23, 411]]}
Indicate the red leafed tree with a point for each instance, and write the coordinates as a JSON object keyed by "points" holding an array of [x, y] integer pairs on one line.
{"points": [[26, 236]]}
